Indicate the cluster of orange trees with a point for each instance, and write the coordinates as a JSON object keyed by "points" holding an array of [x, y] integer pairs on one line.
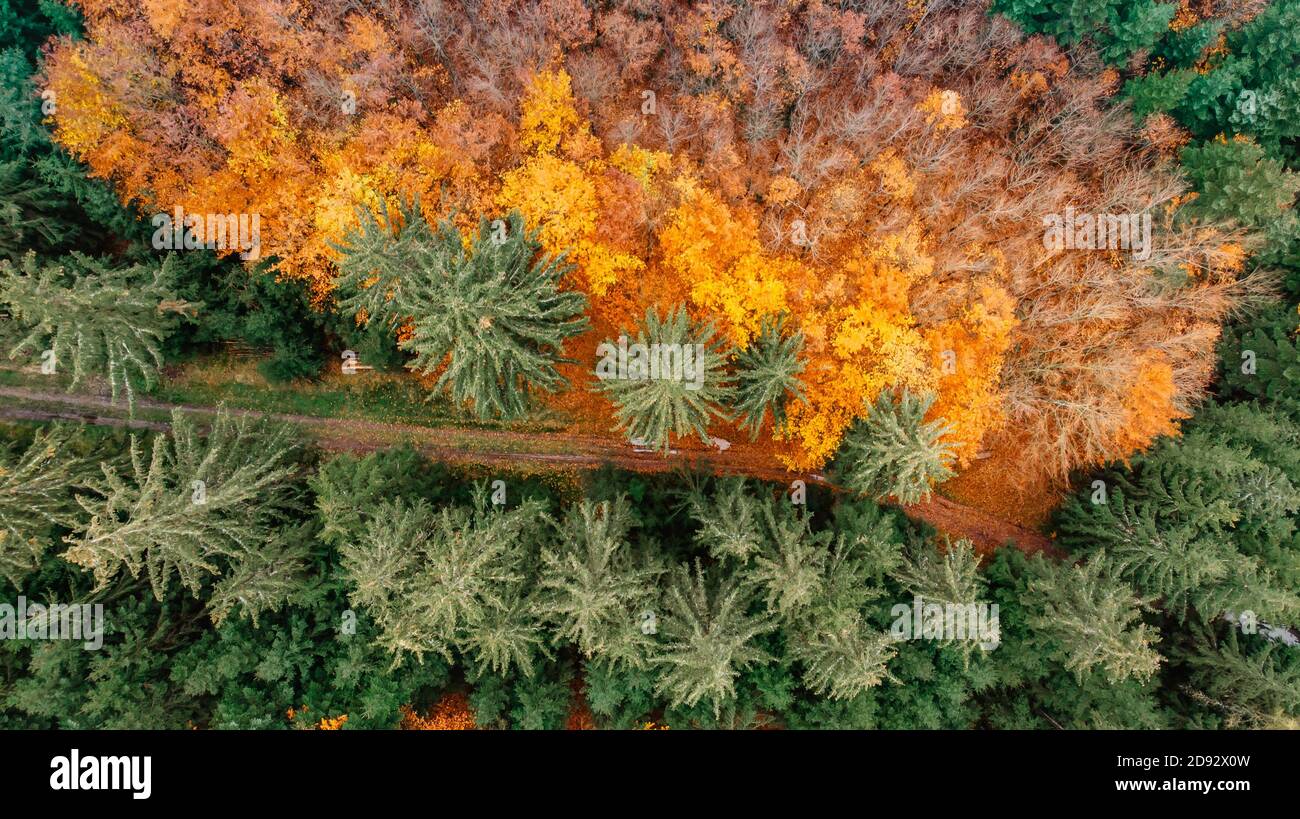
{"points": [[881, 177]]}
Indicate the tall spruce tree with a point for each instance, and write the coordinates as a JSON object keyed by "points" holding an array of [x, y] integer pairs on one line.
{"points": [[894, 452], [842, 653], [789, 569], [507, 636], [1031, 686], [594, 591], [1200, 524], [950, 575], [1268, 434], [491, 318], [729, 519], [652, 404], [1236, 179], [1092, 618], [94, 319], [26, 220], [767, 376], [1251, 681], [36, 495], [37, 211], [349, 489], [200, 508], [708, 638], [450, 581], [1118, 28], [1261, 359]]}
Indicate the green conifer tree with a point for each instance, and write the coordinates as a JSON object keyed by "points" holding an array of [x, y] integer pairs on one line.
{"points": [[1118, 28], [348, 488], [26, 222], [1093, 619], [894, 452], [594, 591], [201, 508], [1199, 524], [729, 519], [492, 319], [94, 319], [948, 576], [1237, 180], [708, 634], [767, 376], [842, 654], [36, 494], [449, 581], [790, 568], [1261, 358], [1252, 681], [651, 405]]}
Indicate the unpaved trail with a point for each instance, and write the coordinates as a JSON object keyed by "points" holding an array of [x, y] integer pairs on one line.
{"points": [[495, 447]]}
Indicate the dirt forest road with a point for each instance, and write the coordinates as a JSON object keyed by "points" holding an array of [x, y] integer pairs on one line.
{"points": [[494, 447]]}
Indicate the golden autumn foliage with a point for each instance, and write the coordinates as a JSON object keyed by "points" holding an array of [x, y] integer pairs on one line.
{"points": [[1148, 404], [745, 160], [563, 186], [719, 260], [944, 110], [970, 350], [451, 713]]}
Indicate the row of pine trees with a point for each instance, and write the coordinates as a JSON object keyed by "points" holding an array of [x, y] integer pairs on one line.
{"points": [[243, 574]]}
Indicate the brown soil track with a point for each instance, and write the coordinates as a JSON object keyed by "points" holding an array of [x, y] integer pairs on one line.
{"points": [[493, 447]]}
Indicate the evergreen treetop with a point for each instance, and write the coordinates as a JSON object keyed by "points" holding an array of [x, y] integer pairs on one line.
{"points": [[489, 314]]}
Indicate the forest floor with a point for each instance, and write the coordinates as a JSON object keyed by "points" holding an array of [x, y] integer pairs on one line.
{"points": [[518, 450], [1003, 485]]}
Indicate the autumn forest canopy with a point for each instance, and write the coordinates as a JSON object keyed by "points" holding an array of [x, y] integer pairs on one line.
{"points": [[877, 175], [977, 303]]}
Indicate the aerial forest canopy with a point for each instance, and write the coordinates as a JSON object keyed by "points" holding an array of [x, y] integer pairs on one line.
{"points": [[989, 306], [875, 178]]}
